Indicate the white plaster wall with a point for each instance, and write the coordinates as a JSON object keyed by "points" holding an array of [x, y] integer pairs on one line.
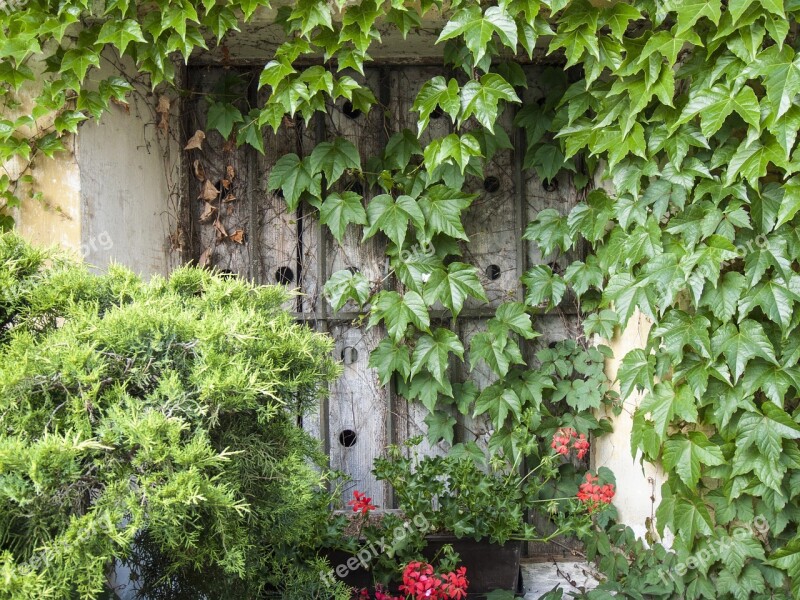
{"points": [[638, 485], [129, 185]]}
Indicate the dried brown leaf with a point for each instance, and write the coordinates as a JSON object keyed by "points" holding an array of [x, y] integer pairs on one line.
{"points": [[163, 105], [226, 184], [230, 197], [163, 111], [208, 213], [221, 232], [230, 173], [199, 171], [209, 193], [237, 236], [205, 258], [196, 141], [123, 105]]}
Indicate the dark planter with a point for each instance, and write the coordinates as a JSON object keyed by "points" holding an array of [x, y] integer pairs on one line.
{"points": [[489, 566]]}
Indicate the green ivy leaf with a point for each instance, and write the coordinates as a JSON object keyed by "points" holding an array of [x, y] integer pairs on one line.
{"points": [[544, 286], [311, 14], [686, 453], [788, 559], [436, 92], [222, 116], [440, 427], [636, 372], [717, 103], [741, 345], [346, 285], [294, 177], [427, 389], [120, 33], [581, 276], [482, 99], [432, 352], [781, 71], [77, 60], [333, 158], [550, 231], [723, 299], [274, 72], [497, 351], [398, 312], [665, 403], [601, 323], [499, 402], [680, 329], [776, 298], [512, 317], [617, 16], [766, 431], [400, 148], [458, 148], [389, 358], [591, 218], [478, 28], [442, 207], [452, 286], [392, 216], [340, 210]]}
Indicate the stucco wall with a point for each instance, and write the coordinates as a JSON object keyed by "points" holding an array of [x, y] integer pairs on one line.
{"points": [[638, 485], [113, 197], [129, 186]]}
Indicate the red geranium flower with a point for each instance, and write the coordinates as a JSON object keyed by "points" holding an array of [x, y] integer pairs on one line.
{"points": [[361, 502], [595, 496]]}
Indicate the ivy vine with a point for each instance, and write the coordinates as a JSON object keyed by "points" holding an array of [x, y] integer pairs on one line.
{"points": [[689, 108]]}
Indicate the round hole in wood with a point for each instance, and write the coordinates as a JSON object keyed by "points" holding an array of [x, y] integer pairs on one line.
{"points": [[350, 111], [349, 355], [550, 185], [493, 272], [279, 193], [437, 113], [348, 438], [354, 270], [491, 184], [284, 275]]}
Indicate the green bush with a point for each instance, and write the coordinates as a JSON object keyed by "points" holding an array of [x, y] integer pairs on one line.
{"points": [[154, 425]]}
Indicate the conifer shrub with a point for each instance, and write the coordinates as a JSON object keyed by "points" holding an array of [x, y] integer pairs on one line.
{"points": [[153, 426]]}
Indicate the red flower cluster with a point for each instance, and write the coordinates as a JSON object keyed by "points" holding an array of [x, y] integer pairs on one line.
{"points": [[563, 438], [421, 583], [379, 595], [361, 502], [595, 496]]}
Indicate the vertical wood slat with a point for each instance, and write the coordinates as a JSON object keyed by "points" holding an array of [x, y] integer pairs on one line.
{"points": [[359, 403], [404, 85], [215, 159]]}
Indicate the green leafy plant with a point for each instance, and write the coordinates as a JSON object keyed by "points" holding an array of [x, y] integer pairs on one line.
{"points": [[153, 425], [687, 108]]}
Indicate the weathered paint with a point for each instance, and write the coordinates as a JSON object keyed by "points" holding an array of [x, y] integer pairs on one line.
{"points": [[638, 485], [130, 184]]}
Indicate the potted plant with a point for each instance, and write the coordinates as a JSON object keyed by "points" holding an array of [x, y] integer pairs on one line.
{"points": [[459, 513]]}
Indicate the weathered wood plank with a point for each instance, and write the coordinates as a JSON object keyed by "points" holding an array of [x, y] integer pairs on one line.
{"points": [[221, 173]]}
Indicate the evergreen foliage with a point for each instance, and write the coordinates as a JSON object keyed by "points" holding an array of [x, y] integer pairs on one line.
{"points": [[153, 424]]}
